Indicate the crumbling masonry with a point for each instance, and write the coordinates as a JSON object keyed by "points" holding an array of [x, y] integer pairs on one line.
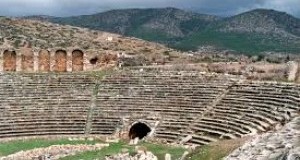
{"points": [[55, 60]]}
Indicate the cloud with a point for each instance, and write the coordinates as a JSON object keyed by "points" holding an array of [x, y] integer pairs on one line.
{"points": [[289, 6], [79, 7]]}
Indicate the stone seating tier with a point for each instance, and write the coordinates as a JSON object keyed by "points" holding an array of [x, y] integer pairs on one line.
{"points": [[207, 106]]}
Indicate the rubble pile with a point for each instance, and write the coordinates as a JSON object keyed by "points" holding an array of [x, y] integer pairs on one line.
{"points": [[283, 144], [140, 155]]}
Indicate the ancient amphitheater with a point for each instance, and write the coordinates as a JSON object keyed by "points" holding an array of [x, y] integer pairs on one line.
{"points": [[169, 105]]}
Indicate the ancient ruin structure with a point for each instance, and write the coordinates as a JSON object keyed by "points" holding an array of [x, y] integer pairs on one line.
{"points": [[173, 104], [9, 61], [55, 60], [282, 144], [44, 61]]}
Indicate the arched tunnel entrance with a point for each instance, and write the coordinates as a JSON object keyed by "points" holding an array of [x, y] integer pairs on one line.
{"points": [[139, 130], [10, 61]]}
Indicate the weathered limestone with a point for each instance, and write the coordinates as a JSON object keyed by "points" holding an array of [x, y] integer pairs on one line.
{"points": [[272, 145], [293, 69], [141, 155], [9, 60], [77, 60], [167, 156], [181, 101], [183, 157], [27, 60], [60, 61], [44, 61], [54, 60], [186, 139], [52, 104], [177, 98]]}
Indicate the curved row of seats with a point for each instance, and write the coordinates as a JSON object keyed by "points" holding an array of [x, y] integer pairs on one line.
{"points": [[43, 104], [206, 106], [186, 103], [177, 98]]}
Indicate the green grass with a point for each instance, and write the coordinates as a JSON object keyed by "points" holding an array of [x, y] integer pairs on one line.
{"points": [[161, 150], [208, 153], [157, 149], [113, 148], [11, 147], [244, 43], [216, 151]]}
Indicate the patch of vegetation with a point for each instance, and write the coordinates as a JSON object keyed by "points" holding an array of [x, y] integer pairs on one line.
{"points": [[216, 151], [251, 44], [99, 75], [194, 30], [161, 150], [150, 35], [11, 147], [115, 148]]}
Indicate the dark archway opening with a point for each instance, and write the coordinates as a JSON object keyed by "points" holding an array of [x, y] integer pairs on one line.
{"points": [[94, 60], [60, 61], [77, 60], [10, 61], [139, 130]]}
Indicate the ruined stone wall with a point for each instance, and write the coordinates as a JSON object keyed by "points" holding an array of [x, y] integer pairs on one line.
{"points": [[77, 60], [60, 64], [54, 60], [27, 60], [282, 144], [44, 61], [9, 60]]}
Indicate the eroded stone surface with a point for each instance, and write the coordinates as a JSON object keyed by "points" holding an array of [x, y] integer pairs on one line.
{"points": [[283, 144], [53, 152], [141, 155]]}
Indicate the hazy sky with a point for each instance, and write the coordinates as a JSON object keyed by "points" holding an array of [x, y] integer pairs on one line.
{"points": [[79, 7]]}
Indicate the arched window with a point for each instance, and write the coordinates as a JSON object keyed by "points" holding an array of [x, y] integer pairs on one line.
{"points": [[27, 60], [77, 60], [60, 61], [44, 61], [10, 61]]}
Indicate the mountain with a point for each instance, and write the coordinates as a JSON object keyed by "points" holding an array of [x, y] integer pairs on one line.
{"points": [[265, 22], [255, 31], [160, 25], [251, 32]]}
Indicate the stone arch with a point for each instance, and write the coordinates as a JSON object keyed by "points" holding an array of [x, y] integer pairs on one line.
{"points": [[44, 61], [10, 61], [27, 60], [139, 129], [60, 61], [77, 60]]}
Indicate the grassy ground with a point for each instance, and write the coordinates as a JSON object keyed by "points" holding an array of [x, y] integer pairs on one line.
{"points": [[7, 148], [115, 148], [216, 151], [11, 147]]}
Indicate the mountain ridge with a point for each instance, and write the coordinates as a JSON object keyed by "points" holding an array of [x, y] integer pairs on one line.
{"points": [[255, 31]]}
